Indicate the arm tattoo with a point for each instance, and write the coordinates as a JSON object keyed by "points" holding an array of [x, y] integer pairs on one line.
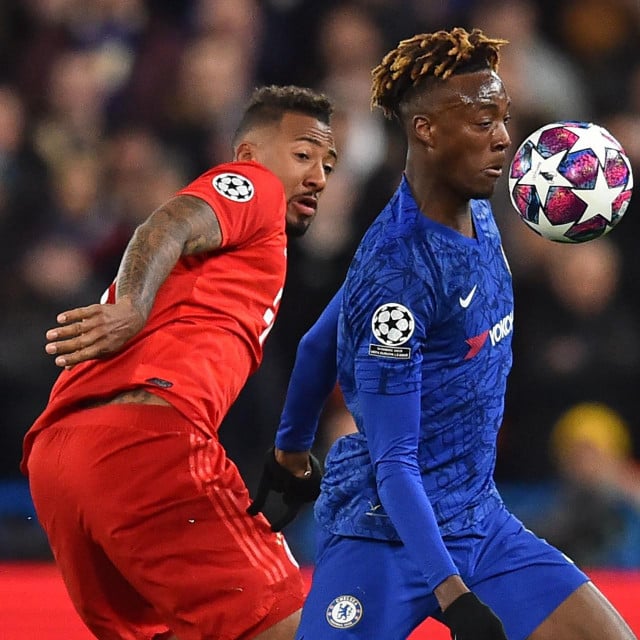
{"points": [[184, 225]]}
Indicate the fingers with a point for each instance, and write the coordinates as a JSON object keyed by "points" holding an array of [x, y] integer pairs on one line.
{"points": [[255, 508], [295, 490], [82, 336], [65, 339], [74, 323], [79, 314], [289, 515], [261, 495], [72, 352]]}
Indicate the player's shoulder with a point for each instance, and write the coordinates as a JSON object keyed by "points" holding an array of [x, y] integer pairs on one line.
{"points": [[250, 170], [242, 181]]}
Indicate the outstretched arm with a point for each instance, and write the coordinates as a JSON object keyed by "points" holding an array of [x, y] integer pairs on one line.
{"points": [[312, 379], [182, 226], [289, 468]]}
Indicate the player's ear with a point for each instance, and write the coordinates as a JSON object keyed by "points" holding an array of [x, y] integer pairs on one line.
{"points": [[245, 152], [422, 129]]}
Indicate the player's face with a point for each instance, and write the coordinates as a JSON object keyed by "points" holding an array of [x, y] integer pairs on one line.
{"points": [[301, 152], [470, 138]]}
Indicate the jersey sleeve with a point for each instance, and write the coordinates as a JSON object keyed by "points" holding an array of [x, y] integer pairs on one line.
{"points": [[393, 427], [387, 315], [312, 379], [247, 199], [386, 320]]}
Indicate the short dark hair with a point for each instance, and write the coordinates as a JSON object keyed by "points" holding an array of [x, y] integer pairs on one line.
{"points": [[267, 105], [430, 55]]}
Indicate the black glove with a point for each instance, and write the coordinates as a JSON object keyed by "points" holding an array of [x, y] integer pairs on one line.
{"points": [[295, 491], [469, 618]]}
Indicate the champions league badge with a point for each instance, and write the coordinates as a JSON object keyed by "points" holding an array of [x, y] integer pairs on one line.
{"points": [[344, 612], [233, 186], [392, 325]]}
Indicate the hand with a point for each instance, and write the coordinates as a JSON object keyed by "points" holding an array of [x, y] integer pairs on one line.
{"points": [[96, 331], [469, 618], [295, 490]]}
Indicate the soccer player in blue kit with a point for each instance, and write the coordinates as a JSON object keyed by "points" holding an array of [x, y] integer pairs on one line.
{"points": [[411, 523]]}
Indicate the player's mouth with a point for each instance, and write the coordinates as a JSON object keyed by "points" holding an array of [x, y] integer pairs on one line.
{"points": [[494, 171], [305, 205]]}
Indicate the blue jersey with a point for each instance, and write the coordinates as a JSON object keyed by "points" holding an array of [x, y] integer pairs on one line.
{"points": [[423, 308], [423, 322]]}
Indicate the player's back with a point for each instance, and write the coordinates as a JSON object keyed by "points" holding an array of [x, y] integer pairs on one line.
{"points": [[204, 334]]}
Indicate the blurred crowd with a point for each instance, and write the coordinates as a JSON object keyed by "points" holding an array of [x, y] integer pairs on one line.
{"points": [[107, 107]]}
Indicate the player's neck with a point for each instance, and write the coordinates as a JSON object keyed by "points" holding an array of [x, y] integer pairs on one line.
{"points": [[444, 208]]}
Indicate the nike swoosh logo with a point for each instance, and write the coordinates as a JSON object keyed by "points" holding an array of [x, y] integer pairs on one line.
{"points": [[465, 302]]}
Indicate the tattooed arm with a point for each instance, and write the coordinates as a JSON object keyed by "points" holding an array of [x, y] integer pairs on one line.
{"points": [[184, 225]]}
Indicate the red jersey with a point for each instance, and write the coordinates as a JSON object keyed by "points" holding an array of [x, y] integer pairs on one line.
{"points": [[204, 335]]}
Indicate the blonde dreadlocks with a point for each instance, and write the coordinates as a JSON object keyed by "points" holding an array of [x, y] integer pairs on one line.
{"points": [[436, 55]]}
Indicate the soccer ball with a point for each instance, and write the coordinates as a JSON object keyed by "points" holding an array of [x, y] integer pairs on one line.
{"points": [[570, 181]]}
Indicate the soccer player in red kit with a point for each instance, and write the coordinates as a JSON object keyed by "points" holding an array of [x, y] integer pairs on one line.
{"points": [[145, 514]]}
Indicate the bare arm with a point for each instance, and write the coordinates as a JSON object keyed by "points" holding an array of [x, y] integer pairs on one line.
{"points": [[184, 225]]}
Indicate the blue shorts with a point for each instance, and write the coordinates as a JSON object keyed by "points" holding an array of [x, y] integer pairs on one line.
{"points": [[367, 589]]}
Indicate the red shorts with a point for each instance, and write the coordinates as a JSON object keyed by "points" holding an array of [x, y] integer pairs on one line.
{"points": [[147, 520]]}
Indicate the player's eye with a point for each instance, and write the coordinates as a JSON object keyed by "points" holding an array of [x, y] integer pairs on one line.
{"points": [[328, 168], [303, 155]]}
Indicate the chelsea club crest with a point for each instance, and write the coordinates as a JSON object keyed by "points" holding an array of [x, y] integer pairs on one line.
{"points": [[344, 612]]}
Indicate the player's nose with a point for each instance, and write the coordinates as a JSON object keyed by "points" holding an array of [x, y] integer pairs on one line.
{"points": [[501, 138], [316, 177]]}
